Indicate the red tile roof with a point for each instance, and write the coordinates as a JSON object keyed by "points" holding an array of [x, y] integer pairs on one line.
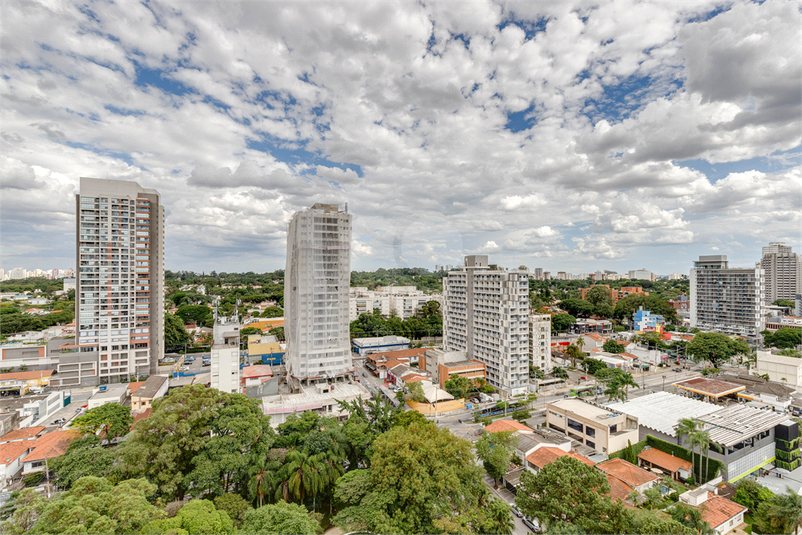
{"points": [[133, 387], [718, 510], [664, 460], [52, 445], [13, 450], [25, 376], [257, 370], [618, 489], [23, 433], [413, 378], [546, 454], [403, 353], [626, 472], [506, 425]]}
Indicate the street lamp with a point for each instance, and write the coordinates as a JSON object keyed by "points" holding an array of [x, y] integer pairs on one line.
{"points": [[664, 383]]}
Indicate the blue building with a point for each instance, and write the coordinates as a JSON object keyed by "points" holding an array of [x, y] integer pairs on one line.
{"points": [[644, 321]]}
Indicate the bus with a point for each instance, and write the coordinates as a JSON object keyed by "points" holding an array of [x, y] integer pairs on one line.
{"points": [[584, 391]]}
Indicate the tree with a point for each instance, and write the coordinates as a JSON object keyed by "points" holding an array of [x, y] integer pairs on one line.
{"points": [[416, 474], [198, 313], [459, 387], [234, 506], [246, 332], [562, 322], [617, 381], [691, 517], [559, 373], [751, 494], [415, 392], [278, 332], [701, 439], [174, 448], [780, 514], [567, 490], [612, 346], [521, 415], [716, 348], [196, 517], [174, 333], [273, 312], [784, 338], [84, 457], [112, 419], [495, 451], [21, 511], [278, 519], [94, 505]]}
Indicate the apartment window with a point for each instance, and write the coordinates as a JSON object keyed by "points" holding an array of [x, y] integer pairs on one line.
{"points": [[573, 424], [590, 443], [589, 431]]}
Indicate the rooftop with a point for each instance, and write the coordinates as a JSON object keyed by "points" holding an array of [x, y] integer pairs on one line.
{"points": [[151, 386], [256, 370], [310, 398], [23, 433], [627, 472], [586, 409], [115, 390], [12, 450], [718, 510], [664, 460], [25, 376], [135, 386], [709, 387], [52, 445], [734, 424], [661, 411], [618, 489], [546, 454], [507, 425]]}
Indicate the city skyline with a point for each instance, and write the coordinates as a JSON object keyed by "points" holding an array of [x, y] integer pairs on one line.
{"points": [[578, 138]]}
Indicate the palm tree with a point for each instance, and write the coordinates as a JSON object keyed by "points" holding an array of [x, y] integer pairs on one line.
{"points": [[687, 427], [580, 343], [783, 513], [261, 479], [701, 438], [691, 517]]}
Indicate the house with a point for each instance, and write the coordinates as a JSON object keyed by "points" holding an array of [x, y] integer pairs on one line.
{"points": [[542, 456], [258, 381], [594, 341], [114, 393], [508, 425], [24, 433], [722, 514], [635, 477], [674, 466], [401, 374], [46, 448], [155, 387], [11, 457], [21, 382]]}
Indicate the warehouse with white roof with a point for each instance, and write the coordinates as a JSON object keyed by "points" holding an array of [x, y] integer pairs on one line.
{"points": [[742, 438]]}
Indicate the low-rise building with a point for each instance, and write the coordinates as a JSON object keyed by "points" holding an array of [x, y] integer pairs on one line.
{"points": [[21, 383], [258, 381], [645, 321], [322, 398], [46, 448], [787, 370], [114, 393], [601, 428], [440, 365], [153, 388], [635, 477], [665, 462], [366, 346], [721, 514], [266, 349], [12, 455]]}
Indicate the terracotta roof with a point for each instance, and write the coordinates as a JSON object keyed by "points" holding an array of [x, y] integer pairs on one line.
{"points": [[25, 432], [506, 425], [626, 472], [52, 445], [392, 363], [626, 355], [141, 416], [718, 510], [257, 370], [664, 460], [404, 353], [546, 454], [12, 450], [24, 376], [595, 336], [618, 489], [413, 379], [133, 387]]}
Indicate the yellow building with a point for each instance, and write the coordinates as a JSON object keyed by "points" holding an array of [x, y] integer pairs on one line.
{"points": [[22, 382], [265, 348]]}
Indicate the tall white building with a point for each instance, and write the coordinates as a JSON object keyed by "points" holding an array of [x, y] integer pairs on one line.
{"points": [[316, 284], [486, 316], [119, 294], [225, 354], [402, 301], [641, 274], [783, 269], [727, 300], [540, 341]]}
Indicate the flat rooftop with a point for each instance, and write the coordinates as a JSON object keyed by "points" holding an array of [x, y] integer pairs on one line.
{"points": [[709, 387], [585, 409], [661, 411], [310, 398]]}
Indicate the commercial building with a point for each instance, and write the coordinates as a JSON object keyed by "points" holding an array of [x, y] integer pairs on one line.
{"points": [[641, 274], [442, 364], [644, 321], [115, 393], [21, 383], [745, 439], [727, 300], [119, 295], [265, 349], [783, 272], [787, 370], [366, 346], [604, 429], [316, 283], [540, 341], [486, 316], [225, 354]]}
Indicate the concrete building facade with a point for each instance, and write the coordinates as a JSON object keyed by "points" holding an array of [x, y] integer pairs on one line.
{"points": [[225, 355], [119, 294], [727, 300], [401, 301], [540, 341], [316, 284], [486, 316], [783, 272]]}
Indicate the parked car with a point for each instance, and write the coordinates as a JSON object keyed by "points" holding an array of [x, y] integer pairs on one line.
{"points": [[517, 512], [184, 368], [58, 421], [207, 363], [532, 524], [189, 359]]}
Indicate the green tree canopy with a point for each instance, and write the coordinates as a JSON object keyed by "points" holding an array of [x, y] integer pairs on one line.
{"points": [[716, 348], [612, 346], [784, 338], [273, 312], [84, 457], [174, 333], [279, 519], [459, 387], [198, 313], [198, 517], [495, 450], [112, 419], [562, 322]]}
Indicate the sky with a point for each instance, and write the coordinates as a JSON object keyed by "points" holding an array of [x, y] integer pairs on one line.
{"points": [[571, 136]]}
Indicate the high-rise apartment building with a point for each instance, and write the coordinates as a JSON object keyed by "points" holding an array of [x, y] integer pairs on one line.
{"points": [[540, 341], [486, 316], [316, 284], [398, 301], [225, 369], [119, 294], [783, 269], [727, 300]]}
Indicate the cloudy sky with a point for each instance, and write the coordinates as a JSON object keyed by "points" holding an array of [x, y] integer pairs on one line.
{"points": [[566, 136]]}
